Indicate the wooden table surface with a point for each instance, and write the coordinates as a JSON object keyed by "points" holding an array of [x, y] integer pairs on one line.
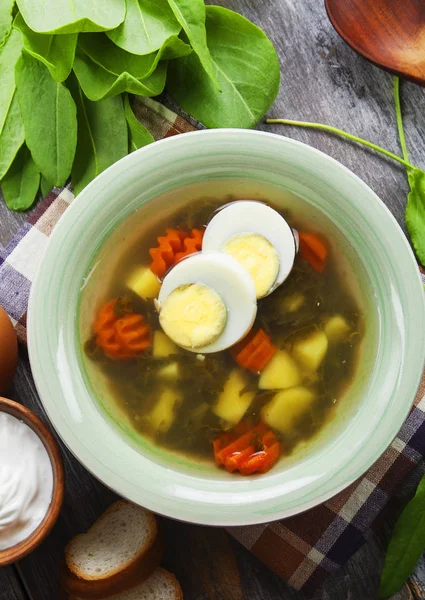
{"points": [[322, 80]]}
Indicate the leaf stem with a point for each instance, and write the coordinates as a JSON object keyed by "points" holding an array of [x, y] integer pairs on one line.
{"points": [[399, 118], [343, 133]]}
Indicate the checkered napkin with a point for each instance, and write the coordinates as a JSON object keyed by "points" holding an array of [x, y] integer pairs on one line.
{"points": [[303, 549]]}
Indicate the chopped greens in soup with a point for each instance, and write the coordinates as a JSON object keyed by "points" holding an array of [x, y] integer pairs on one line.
{"points": [[232, 337]]}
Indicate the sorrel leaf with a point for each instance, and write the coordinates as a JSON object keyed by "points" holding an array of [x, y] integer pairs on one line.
{"points": [[55, 51], [138, 135], [45, 186], [97, 83], [415, 213], [415, 208], [9, 54], [6, 7], [247, 68], [12, 136], [191, 15], [49, 116], [102, 136], [72, 16], [406, 545], [147, 25], [104, 53], [21, 183]]}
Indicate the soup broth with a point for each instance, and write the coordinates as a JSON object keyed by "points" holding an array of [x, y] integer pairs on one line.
{"points": [[202, 404]]}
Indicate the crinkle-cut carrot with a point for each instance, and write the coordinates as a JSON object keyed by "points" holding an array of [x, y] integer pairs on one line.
{"points": [[262, 461], [255, 451], [132, 333], [163, 256], [192, 243], [236, 461], [254, 351], [313, 249], [123, 337], [172, 247]]}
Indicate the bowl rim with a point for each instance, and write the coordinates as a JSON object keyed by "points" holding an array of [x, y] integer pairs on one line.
{"points": [[27, 545], [100, 470]]}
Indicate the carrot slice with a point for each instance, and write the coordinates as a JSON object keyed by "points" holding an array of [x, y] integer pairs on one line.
{"points": [[239, 444], [254, 463], [192, 243], [255, 451], [172, 247], [123, 337], [235, 461], [261, 462], [132, 333], [313, 249], [254, 351]]}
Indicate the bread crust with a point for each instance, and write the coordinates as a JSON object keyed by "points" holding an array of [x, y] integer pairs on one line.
{"points": [[178, 594], [117, 581]]}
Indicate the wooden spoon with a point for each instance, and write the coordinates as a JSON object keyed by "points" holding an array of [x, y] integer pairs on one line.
{"points": [[389, 33]]}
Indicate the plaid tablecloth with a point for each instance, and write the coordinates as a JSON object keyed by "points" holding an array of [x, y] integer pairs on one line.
{"points": [[303, 549]]}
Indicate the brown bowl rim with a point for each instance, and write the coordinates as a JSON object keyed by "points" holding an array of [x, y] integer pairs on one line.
{"points": [[21, 549]]}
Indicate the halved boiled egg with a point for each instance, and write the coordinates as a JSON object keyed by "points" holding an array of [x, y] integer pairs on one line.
{"points": [[207, 302], [258, 238]]}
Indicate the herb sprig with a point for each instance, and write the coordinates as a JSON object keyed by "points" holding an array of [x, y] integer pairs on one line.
{"points": [[415, 208], [66, 71]]}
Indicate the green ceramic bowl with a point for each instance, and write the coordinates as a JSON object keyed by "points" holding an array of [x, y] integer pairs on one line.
{"points": [[391, 361]]}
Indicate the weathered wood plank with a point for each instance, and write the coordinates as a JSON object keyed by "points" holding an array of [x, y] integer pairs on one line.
{"points": [[322, 80], [10, 585]]}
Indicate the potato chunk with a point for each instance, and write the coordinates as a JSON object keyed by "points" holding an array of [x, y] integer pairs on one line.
{"points": [[169, 372], [144, 283], [336, 329], [286, 407], [280, 373], [161, 416], [293, 302], [231, 406], [162, 345], [311, 350]]}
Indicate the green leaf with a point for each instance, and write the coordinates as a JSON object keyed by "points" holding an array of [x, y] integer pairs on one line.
{"points": [[102, 136], [105, 70], [105, 53], [191, 16], [21, 183], [72, 16], [248, 72], [415, 212], [147, 25], [49, 116], [55, 51], [9, 54], [45, 186], [98, 83], [11, 128], [138, 135], [406, 545], [6, 18], [12, 136]]}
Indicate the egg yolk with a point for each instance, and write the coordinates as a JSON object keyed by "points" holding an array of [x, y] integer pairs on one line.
{"points": [[258, 256], [193, 315]]}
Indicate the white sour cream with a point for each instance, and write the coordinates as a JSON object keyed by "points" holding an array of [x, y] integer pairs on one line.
{"points": [[26, 481]]}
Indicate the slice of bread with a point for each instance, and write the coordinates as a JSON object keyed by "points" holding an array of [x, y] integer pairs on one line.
{"points": [[161, 585], [121, 549]]}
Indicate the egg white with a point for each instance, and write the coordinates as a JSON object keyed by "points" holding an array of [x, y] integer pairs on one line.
{"points": [[250, 216], [230, 280]]}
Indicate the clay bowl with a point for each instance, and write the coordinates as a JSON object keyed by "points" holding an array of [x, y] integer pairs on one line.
{"points": [[18, 551]]}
